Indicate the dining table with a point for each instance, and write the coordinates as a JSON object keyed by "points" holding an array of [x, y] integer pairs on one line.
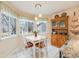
{"points": [[36, 39]]}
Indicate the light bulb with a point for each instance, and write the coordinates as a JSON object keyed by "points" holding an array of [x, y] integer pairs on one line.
{"points": [[36, 18], [40, 15]]}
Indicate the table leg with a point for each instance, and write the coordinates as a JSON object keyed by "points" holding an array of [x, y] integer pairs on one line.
{"points": [[34, 55], [39, 50], [46, 48]]}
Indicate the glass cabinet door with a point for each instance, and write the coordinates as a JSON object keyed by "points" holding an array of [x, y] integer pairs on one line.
{"points": [[61, 24], [54, 23]]}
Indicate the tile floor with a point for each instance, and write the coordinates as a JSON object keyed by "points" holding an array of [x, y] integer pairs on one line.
{"points": [[52, 52]]}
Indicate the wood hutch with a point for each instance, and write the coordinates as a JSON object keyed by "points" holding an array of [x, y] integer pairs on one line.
{"points": [[59, 30]]}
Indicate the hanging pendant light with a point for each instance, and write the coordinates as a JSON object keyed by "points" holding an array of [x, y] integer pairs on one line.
{"points": [[36, 18], [38, 6], [40, 15]]}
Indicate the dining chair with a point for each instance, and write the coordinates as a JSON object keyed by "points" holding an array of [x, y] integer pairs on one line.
{"points": [[41, 49], [53, 52]]}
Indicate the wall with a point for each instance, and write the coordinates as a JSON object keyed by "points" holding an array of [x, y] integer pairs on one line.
{"points": [[8, 46], [11, 43]]}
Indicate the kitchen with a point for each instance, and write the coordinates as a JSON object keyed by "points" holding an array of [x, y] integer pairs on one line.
{"points": [[39, 29]]}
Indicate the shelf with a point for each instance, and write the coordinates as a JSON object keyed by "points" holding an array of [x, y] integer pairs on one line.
{"points": [[60, 19], [59, 28], [59, 31]]}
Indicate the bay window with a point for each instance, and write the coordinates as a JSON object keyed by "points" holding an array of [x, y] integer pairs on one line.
{"points": [[42, 26], [26, 26]]}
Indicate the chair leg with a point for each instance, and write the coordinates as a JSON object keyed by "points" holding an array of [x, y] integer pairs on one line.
{"points": [[60, 54]]}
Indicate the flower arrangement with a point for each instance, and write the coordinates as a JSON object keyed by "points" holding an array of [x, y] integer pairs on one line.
{"points": [[35, 33]]}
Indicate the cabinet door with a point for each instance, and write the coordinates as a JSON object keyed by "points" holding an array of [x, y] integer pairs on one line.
{"points": [[62, 39], [54, 40], [58, 40]]}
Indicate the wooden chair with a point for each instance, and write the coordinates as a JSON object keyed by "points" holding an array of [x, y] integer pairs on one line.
{"points": [[40, 45], [28, 45]]}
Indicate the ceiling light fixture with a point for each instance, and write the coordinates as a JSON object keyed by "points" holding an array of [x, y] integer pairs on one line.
{"points": [[36, 18], [40, 15], [38, 5]]}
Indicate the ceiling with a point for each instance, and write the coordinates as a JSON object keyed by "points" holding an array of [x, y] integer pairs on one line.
{"points": [[47, 7]]}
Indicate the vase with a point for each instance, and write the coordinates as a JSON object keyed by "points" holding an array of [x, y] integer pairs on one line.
{"points": [[35, 34]]}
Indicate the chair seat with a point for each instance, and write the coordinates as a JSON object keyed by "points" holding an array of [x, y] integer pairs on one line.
{"points": [[28, 45], [40, 45]]}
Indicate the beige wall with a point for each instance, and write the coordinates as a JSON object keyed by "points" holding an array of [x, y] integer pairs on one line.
{"points": [[7, 46], [11, 43]]}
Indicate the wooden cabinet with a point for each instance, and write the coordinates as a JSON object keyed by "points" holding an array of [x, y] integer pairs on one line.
{"points": [[59, 31]]}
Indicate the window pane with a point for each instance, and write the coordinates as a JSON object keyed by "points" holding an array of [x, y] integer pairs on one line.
{"points": [[12, 25], [26, 26], [5, 23], [41, 27], [23, 26], [30, 26]]}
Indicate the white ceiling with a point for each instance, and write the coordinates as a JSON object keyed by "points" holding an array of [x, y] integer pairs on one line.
{"points": [[48, 7]]}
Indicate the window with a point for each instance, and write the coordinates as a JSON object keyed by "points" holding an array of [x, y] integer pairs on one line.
{"points": [[12, 27], [26, 26], [42, 26], [30, 26], [23, 27], [8, 24], [5, 23]]}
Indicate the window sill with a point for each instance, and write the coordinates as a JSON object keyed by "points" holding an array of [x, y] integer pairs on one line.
{"points": [[7, 37]]}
